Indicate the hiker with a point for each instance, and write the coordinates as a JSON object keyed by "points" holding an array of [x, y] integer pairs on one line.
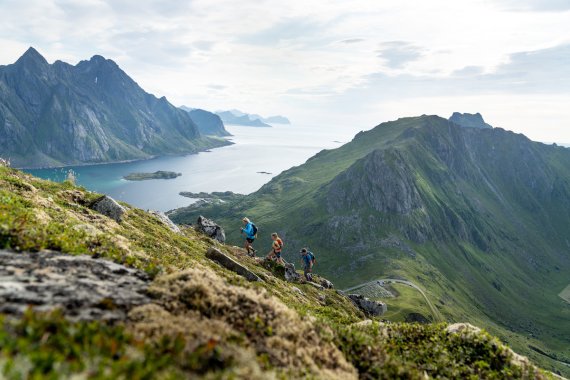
{"points": [[308, 260], [250, 234], [276, 249]]}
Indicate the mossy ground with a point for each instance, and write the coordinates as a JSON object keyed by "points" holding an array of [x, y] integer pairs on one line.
{"points": [[204, 320]]}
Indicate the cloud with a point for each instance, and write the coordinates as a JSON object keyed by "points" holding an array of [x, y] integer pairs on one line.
{"points": [[310, 60], [351, 40], [536, 5], [397, 54]]}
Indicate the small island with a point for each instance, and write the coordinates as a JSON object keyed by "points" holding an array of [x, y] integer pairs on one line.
{"points": [[156, 175]]}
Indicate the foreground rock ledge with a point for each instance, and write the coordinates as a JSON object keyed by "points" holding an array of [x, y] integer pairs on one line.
{"points": [[84, 288], [229, 263]]}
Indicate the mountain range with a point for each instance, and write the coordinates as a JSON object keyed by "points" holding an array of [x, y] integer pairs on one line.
{"points": [[237, 117], [478, 217], [59, 114]]}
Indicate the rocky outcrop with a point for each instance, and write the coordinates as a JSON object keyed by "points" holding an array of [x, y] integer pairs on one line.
{"points": [[382, 181], [468, 120], [165, 220], [229, 263], [326, 283], [84, 288], [291, 274], [211, 229], [369, 307], [109, 207]]}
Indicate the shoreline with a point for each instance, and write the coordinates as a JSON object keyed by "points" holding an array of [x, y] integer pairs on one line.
{"points": [[205, 150]]}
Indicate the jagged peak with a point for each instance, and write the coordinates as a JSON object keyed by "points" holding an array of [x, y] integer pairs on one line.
{"points": [[469, 120], [32, 56]]}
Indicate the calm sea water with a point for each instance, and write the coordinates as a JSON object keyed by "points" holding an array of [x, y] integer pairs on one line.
{"points": [[234, 168]]}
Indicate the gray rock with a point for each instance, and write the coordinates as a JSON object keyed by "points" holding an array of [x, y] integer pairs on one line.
{"points": [[166, 220], [326, 284], [468, 120], [211, 229], [369, 307], [229, 263], [297, 290], [291, 274], [315, 285], [4, 162], [84, 288], [109, 207]]}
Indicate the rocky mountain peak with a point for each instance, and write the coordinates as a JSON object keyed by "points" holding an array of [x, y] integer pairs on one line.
{"points": [[469, 120], [32, 57]]}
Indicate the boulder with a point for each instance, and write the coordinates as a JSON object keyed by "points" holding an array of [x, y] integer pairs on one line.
{"points": [[165, 220], [4, 162], [369, 307], [315, 285], [84, 288], [211, 229], [297, 290], [109, 207], [227, 262], [326, 284], [291, 274]]}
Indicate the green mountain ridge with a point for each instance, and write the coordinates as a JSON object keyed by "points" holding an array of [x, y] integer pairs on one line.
{"points": [[478, 217], [93, 112], [162, 309]]}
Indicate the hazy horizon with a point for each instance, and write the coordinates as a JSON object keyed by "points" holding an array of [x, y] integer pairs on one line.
{"points": [[336, 64]]}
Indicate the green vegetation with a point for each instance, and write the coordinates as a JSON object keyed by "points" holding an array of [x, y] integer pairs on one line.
{"points": [[160, 174], [204, 321], [478, 218]]}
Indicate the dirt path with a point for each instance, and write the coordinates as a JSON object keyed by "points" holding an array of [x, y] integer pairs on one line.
{"points": [[434, 311]]}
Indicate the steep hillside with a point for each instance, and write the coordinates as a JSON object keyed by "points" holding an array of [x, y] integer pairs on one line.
{"points": [[162, 309], [209, 124], [477, 217], [52, 115]]}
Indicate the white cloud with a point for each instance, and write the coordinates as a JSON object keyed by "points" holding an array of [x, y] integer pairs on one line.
{"points": [[315, 61]]}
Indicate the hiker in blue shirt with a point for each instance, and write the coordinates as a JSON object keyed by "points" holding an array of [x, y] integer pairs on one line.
{"points": [[250, 231], [308, 260]]}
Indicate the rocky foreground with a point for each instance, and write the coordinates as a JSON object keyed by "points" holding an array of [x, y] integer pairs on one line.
{"points": [[96, 289]]}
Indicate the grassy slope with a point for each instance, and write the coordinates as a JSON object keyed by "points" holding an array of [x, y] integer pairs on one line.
{"points": [[204, 320], [508, 281]]}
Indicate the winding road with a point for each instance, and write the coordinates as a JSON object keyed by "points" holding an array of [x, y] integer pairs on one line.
{"points": [[434, 311]]}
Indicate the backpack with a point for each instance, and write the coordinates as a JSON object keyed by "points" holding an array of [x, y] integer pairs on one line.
{"points": [[254, 228], [280, 243], [313, 259]]}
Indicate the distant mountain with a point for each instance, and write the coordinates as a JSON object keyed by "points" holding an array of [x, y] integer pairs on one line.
{"points": [[480, 218], [93, 112], [468, 120], [278, 119], [237, 117], [209, 124]]}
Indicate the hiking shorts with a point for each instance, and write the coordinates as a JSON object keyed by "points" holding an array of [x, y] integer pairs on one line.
{"points": [[277, 254], [249, 240]]}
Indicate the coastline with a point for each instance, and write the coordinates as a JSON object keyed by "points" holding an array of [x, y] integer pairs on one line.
{"points": [[204, 150]]}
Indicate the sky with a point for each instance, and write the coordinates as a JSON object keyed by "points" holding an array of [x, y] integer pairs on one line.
{"points": [[347, 64]]}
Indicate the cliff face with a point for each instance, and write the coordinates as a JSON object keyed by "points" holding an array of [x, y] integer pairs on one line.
{"points": [[208, 123], [89, 113]]}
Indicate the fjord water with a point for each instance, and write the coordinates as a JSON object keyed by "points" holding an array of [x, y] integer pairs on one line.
{"points": [[234, 168]]}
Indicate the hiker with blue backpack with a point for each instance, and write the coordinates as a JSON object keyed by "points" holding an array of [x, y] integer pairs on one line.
{"points": [[250, 231], [308, 260]]}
